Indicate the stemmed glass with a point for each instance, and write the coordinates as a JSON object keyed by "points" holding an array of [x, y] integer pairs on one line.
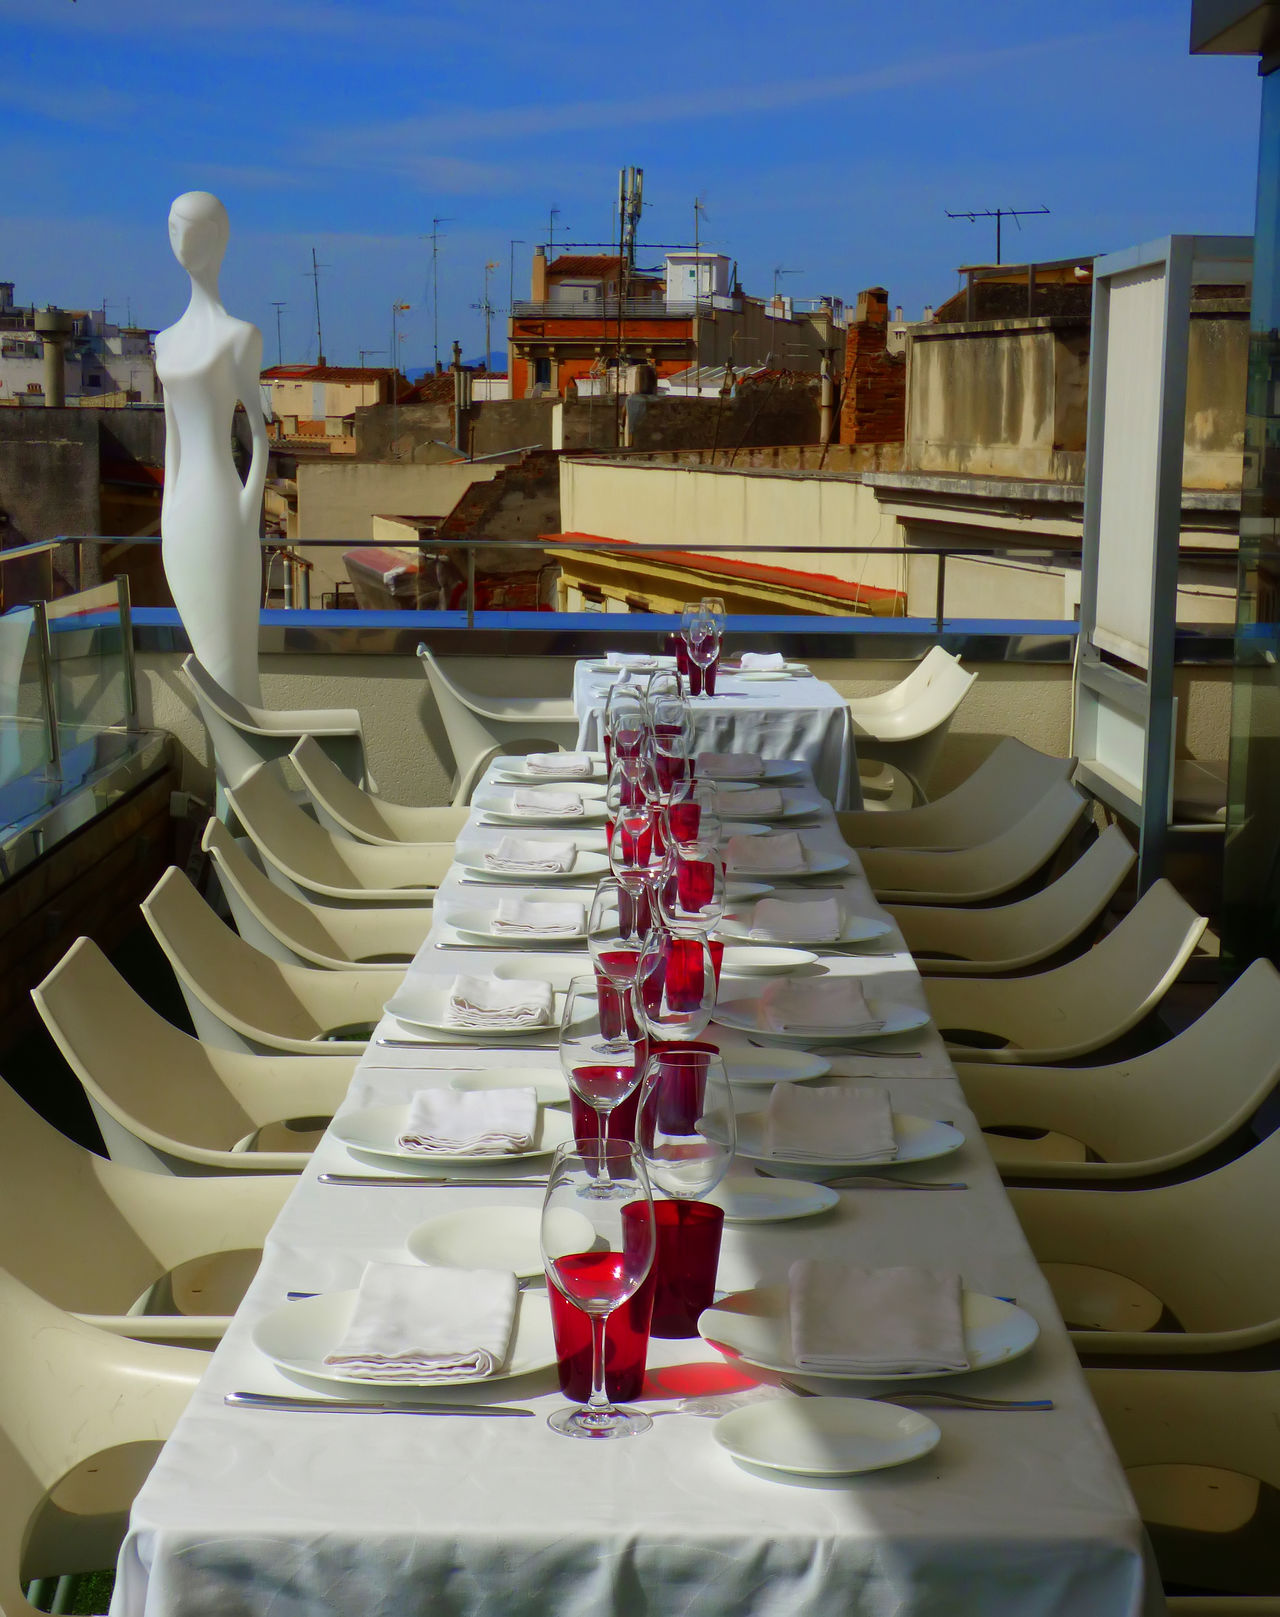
{"points": [[615, 943], [597, 1266], [686, 1124], [691, 892], [704, 647], [675, 993], [671, 735], [624, 719], [602, 1068]]}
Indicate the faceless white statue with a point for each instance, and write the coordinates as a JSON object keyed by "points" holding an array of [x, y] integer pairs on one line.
{"points": [[209, 519]]}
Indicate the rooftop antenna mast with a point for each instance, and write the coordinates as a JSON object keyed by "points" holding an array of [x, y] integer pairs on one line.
{"points": [[699, 209], [999, 215], [486, 308], [435, 238], [279, 343], [314, 278], [552, 215], [779, 272], [630, 206]]}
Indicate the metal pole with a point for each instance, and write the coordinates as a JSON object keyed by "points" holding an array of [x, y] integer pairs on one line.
{"points": [[942, 592], [44, 654], [126, 643], [471, 587]]}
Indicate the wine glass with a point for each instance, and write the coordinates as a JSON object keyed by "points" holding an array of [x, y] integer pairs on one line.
{"points": [[691, 892], [613, 937], [625, 721], [686, 1124], [704, 642], [662, 682], [602, 1067], [597, 1253], [675, 993]]}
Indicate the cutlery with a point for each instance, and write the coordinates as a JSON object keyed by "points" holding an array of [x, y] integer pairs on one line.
{"points": [[851, 1050], [304, 1296], [927, 1397], [350, 1406], [871, 1181], [425, 1180], [456, 1044]]}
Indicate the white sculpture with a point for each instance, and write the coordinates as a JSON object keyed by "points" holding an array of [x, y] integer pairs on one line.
{"points": [[209, 519]]}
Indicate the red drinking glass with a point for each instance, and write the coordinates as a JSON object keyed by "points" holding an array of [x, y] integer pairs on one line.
{"points": [[586, 1123], [608, 751], [709, 675], [688, 1254], [683, 820], [695, 883], [626, 1339]]}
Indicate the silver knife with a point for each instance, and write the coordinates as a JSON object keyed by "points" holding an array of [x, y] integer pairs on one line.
{"points": [[419, 1182], [351, 1406]]}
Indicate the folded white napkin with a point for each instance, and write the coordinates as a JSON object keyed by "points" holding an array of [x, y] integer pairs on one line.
{"points": [[797, 920], [414, 1322], [820, 1004], [479, 1122], [628, 659], [536, 917], [730, 765], [488, 1002], [830, 1125], [568, 765], [545, 857], [781, 854], [875, 1321], [542, 801], [763, 661], [757, 803]]}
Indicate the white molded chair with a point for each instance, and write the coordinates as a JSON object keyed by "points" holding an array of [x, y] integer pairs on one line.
{"points": [[1202, 1254], [240, 999], [244, 737], [1198, 1448], [1151, 1114], [987, 870], [302, 934], [1011, 937], [347, 809], [315, 864], [905, 726], [164, 1100], [83, 1414], [134, 1252], [1003, 788], [480, 727], [1078, 1007]]}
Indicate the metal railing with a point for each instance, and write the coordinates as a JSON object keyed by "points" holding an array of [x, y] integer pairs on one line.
{"points": [[609, 309]]}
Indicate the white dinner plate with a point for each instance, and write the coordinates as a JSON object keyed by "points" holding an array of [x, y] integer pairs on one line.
{"points": [[745, 1013], [421, 1001], [297, 1336], [549, 1084], [737, 891], [496, 807], [769, 676], [747, 1199], [773, 1066], [795, 805], [771, 769], [855, 929], [512, 771], [495, 1238], [763, 960], [825, 1437], [374, 1130], [920, 1139], [756, 1326], [817, 862], [648, 665], [587, 865], [475, 927]]}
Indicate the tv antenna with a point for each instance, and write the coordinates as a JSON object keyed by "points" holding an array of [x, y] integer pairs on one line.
{"points": [[486, 308], [279, 344], [435, 238], [552, 215], [778, 272], [999, 215], [313, 275]]}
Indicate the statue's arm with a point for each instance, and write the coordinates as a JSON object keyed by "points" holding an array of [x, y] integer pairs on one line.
{"points": [[250, 389], [172, 459]]}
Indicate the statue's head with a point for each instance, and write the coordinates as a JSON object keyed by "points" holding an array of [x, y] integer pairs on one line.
{"points": [[198, 231]]}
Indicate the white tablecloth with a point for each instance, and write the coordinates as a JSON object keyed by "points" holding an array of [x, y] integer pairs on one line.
{"points": [[796, 718], [249, 1512]]}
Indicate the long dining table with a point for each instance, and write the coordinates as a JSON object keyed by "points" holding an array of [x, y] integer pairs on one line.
{"points": [[1013, 1514]]}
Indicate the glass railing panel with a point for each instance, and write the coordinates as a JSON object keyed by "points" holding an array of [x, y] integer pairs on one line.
{"points": [[87, 635], [26, 750]]}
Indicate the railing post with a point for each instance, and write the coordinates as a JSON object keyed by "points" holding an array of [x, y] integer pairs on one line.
{"points": [[125, 602], [471, 587], [44, 655], [940, 601]]}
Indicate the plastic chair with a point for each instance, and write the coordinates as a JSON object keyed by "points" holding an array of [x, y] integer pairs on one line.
{"points": [[164, 1100], [302, 934], [1011, 937], [1002, 789], [134, 1252], [970, 875], [481, 727], [1195, 1445], [1078, 1007], [82, 1417], [313, 863], [240, 999], [1177, 1269], [345, 808], [244, 737], [905, 726], [1149, 1115]]}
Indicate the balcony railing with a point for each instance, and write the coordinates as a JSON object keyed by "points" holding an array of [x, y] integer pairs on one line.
{"points": [[608, 309]]}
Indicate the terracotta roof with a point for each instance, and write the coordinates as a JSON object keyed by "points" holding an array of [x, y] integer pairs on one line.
{"points": [[603, 264], [326, 373], [837, 589]]}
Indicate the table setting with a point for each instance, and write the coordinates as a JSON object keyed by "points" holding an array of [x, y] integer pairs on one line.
{"points": [[631, 1245]]}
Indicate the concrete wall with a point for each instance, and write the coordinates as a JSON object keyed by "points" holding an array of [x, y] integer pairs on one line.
{"points": [[1217, 364], [759, 415], [701, 506]]}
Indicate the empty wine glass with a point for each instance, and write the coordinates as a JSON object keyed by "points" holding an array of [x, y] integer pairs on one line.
{"points": [[704, 642], [624, 722], [675, 992], [615, 941], [602, 1067], [691, 890], [686, 1124], [597, 1253]]}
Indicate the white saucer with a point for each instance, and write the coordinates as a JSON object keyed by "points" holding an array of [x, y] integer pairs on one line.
{"points": [[374, 1130], [492, 1238], [825, 1437], [756, 1327], [920, 1139], [747, 1199], [297, 1336], [763, 960]]}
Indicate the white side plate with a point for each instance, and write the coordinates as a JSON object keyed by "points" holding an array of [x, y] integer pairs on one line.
{"points": [[493, 1238], [825, 1437], [763, 960], [750, 1200], [373, 1131], [550, 1087]]}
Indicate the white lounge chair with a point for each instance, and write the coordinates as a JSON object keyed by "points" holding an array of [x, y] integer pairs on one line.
{"points": [[347, 809], [905, 726]]}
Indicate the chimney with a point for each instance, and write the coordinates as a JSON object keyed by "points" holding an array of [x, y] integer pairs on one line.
{"points": [[54, 327], [538, 277]]}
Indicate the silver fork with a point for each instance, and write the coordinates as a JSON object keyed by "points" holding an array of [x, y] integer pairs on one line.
{"points": [[928, 1397]]}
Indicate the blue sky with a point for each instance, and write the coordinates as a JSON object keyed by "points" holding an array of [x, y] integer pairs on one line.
{"points": [[828, 139]]}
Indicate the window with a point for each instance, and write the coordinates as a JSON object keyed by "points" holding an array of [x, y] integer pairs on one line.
{"points": [[542, 373]]}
